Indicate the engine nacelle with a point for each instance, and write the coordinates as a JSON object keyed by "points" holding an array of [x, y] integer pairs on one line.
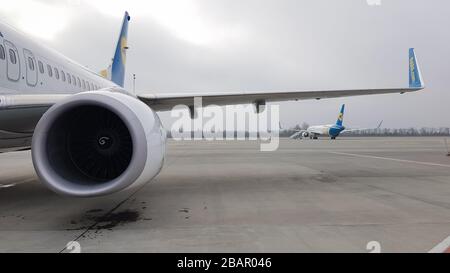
{"points": [[97, 143], [305, 134]]}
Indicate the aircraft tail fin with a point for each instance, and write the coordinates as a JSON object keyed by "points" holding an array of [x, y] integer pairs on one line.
{"points": [[415, 75], [340, 119], [116, 71]]}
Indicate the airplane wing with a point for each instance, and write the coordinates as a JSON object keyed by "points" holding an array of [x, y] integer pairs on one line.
{"points": [[298, 133], [362, 129], [166, 101]]}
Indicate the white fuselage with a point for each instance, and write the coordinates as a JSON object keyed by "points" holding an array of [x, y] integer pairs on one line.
{"points": [[28, 67], [323, 130]]}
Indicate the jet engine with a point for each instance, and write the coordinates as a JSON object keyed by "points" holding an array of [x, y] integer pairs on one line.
{"points": [[305, 134], [97, 143]]}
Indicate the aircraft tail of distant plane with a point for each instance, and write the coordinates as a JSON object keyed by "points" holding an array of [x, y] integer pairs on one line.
{"points": [[116, 71], [340, 119], [415, 75]]}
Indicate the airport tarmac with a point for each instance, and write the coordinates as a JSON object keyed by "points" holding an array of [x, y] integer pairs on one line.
{"points": [[308, 196]]}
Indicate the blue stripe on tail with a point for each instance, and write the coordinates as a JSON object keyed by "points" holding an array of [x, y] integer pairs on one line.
{"points": [[340, 119], [119, 61]]}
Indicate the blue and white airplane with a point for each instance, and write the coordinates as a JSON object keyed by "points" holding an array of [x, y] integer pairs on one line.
{"points": [[88, 135], [330, 130]]}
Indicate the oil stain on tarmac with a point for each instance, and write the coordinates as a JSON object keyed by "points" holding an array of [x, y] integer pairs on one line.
{"points": [[107, 221], [112, 220], [96, 221]]}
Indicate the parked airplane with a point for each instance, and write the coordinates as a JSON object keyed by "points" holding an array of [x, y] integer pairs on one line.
{"points": [[88, 135], [331, 130]]}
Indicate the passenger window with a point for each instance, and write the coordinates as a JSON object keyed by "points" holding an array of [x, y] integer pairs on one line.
{"points": [[12, 56], [49, 71], [30, 63], [69, 79], [84, 85], [79, 82], [73, 80], [41, 67], [56, 73], [63, 76], [2, 52]]}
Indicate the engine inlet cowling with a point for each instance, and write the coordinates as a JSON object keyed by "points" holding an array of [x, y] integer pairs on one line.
{"points": [[96, 143]]}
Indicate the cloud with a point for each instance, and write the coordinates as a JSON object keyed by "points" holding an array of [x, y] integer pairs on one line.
{"points": [[183, 19], [42, 19]]}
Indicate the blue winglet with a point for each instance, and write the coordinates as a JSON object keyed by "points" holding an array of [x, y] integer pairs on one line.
{"points": [[415, 76]]}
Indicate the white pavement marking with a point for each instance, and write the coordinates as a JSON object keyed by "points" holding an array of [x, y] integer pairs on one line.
{"points": [[442, 247], [393, 159]]}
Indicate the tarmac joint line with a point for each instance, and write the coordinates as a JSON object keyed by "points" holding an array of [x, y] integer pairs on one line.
{"points": [[392, 159]]}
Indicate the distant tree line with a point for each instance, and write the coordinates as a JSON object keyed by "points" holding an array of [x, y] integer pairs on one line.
{"points": [[424, 131]]}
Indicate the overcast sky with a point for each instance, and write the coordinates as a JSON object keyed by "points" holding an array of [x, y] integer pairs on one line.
{"points": [[254, 45]]}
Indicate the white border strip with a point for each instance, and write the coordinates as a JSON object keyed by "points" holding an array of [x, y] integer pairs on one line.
{"points": [[441, 247]]}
